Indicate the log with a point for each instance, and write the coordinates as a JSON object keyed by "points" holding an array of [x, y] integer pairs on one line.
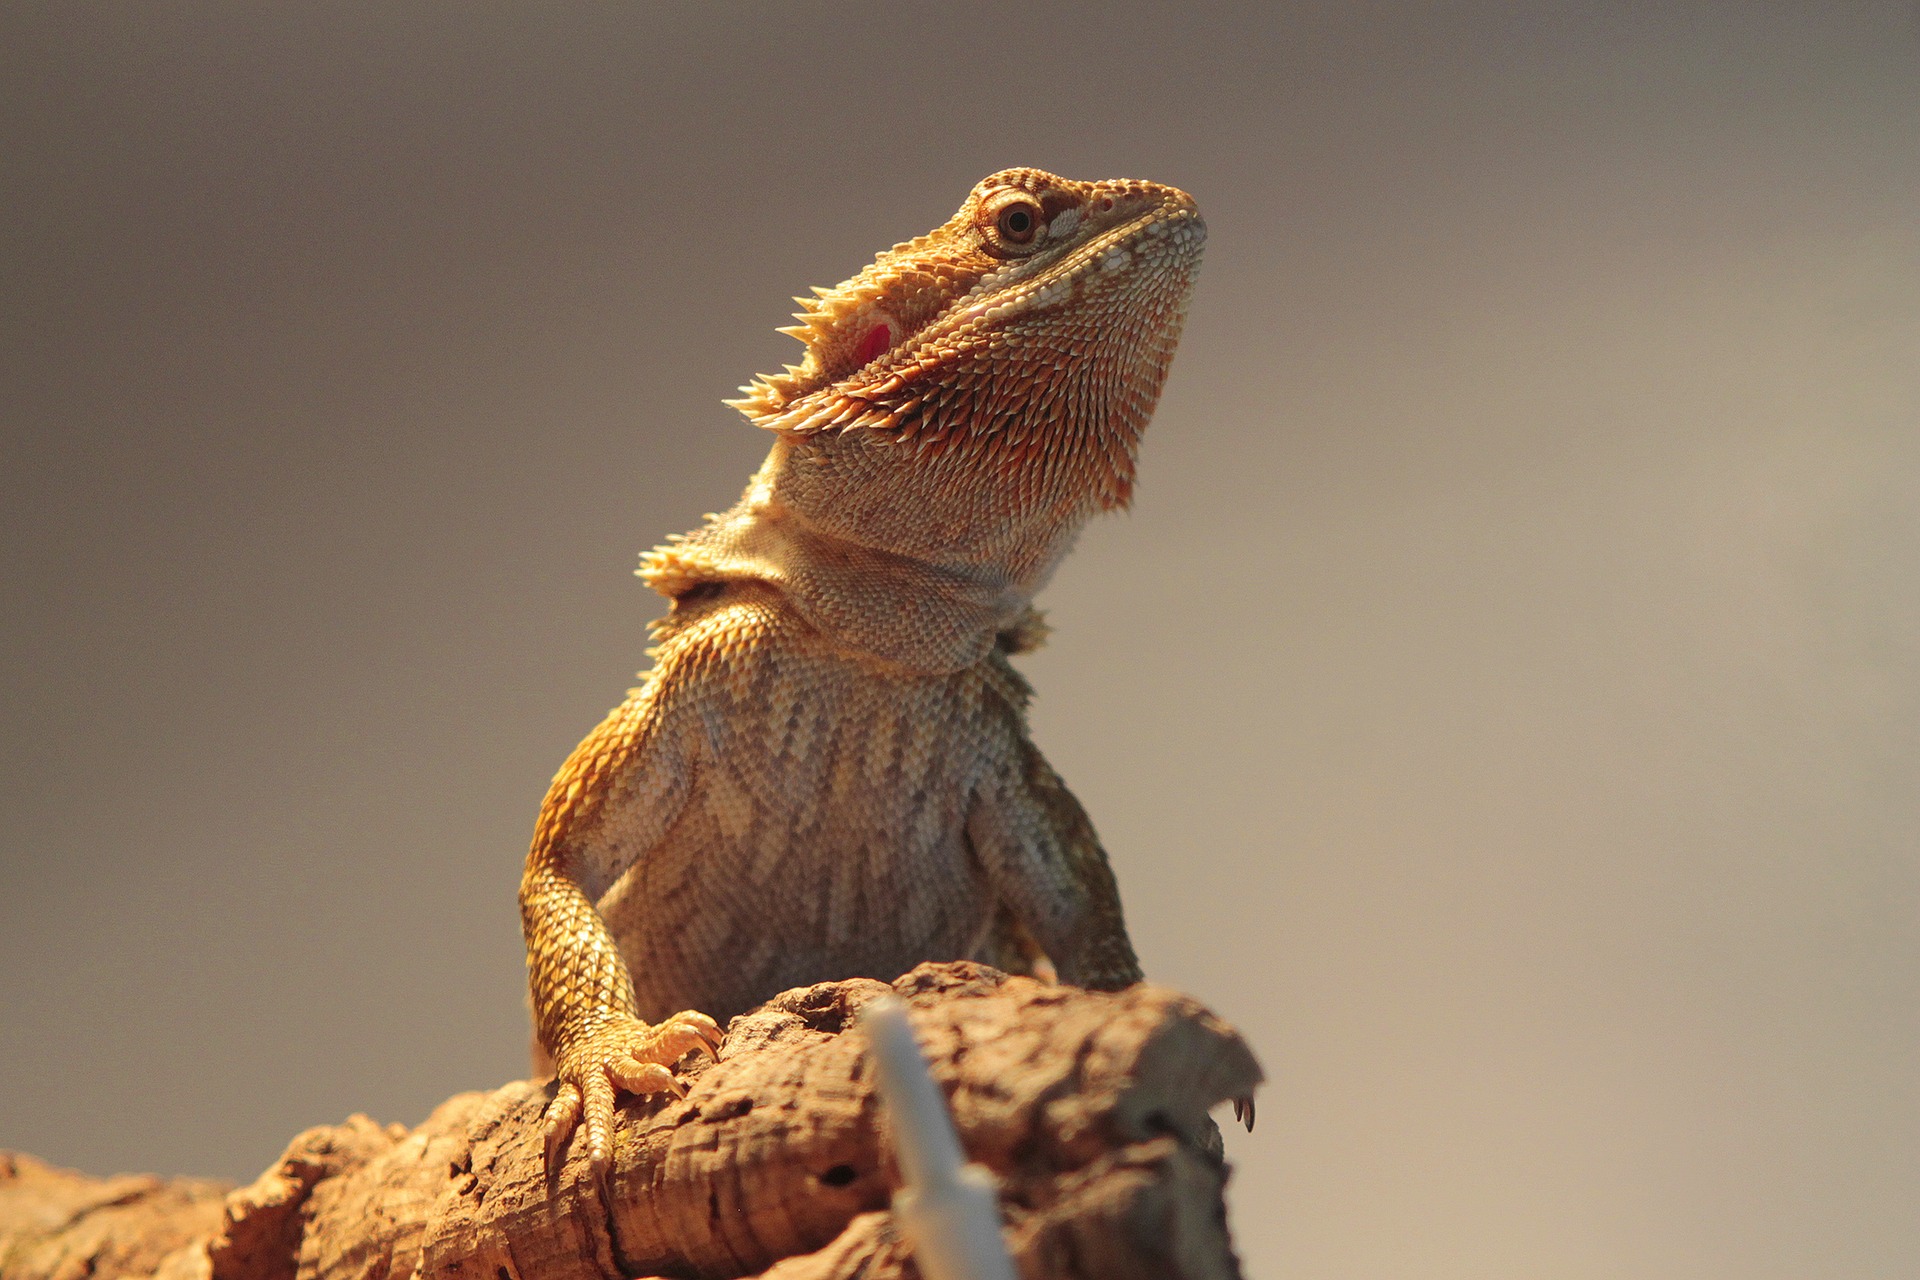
{"points": [[1089, 1107]]}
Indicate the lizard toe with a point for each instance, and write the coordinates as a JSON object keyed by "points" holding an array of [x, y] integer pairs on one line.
{"points": [[645, 1077], [679, 1035], [556, 1124], [705, 1028], [598, 1111]]}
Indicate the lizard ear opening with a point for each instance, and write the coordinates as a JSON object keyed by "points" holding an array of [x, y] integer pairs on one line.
{"points": [[874, 345]]}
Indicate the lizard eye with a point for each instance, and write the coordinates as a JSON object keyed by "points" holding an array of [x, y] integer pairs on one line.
{"points": [[1011, 223]]}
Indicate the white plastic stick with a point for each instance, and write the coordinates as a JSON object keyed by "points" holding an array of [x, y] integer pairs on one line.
{"points": [[948, 1211]]}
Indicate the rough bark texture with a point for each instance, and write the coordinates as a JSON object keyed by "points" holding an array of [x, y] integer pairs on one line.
{"points": [[1090, 1107]]}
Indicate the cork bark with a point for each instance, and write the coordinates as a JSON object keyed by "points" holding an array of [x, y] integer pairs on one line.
{"points": [[1090, 1108]]}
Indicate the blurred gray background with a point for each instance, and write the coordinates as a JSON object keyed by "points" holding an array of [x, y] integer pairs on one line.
{"points": [[1503, 701]]}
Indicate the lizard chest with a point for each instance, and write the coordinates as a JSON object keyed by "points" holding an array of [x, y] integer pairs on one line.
{"points": [[821, 835]]}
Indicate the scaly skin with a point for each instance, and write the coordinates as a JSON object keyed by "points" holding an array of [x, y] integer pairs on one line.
{"points": [[827, 772]]}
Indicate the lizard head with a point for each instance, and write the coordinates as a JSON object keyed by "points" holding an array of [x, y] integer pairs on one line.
{"points": [[1023, 343]]}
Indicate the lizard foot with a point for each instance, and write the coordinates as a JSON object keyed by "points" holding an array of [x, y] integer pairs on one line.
{"points": [[622, 1053]]}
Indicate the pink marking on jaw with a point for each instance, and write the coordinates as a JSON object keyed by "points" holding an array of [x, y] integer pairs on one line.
{"points": [[878, 339]]}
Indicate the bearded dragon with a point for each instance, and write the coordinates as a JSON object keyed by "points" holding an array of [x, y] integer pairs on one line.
{"points": [[828, 773]]}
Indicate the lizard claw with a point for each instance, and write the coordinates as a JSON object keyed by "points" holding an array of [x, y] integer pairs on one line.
{"points": [[698, 1025], [623, 1053], [1243, 1110]]}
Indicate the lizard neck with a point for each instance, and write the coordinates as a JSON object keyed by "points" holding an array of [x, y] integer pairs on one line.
{"points": [[931, 615]]}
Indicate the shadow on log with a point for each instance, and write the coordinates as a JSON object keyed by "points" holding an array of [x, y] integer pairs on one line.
{"points": [[1090, 1108]]}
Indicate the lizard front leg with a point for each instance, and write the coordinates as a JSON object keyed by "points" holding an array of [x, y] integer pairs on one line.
{"points": [[1039, 851], [584, 1009]]}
